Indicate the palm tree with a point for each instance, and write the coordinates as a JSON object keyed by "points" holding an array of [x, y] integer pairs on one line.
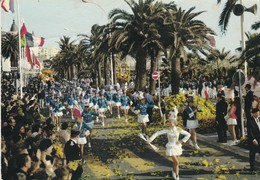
{"points": [[10, 48], [183, 32], [226, 13], [66, 57], [136, 34], [251, 54]]}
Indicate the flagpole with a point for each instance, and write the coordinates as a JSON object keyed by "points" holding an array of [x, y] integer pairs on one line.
{"points": [[1, 69], [20, 48]]}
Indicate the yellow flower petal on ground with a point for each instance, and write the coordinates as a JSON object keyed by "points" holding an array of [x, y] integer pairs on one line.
{"points": [[221, 177]]}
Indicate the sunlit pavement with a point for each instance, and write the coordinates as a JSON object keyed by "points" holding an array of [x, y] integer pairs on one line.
{"points": [[118, 153]]}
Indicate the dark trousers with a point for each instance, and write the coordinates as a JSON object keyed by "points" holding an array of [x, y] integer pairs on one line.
{"points": [[222, 131], [150, 115], [252, 152], [77, 174], [238, 129]]}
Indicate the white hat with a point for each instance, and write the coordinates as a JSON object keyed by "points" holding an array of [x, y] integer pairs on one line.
{"points": [[229, 93]]}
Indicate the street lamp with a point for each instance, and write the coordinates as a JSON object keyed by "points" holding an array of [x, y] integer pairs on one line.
{"points": [[239, 10]]}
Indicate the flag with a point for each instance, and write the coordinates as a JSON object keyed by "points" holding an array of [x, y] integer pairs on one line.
{"points": [[38, 41], [28, 55], [8, 5], [212, 41], [33, 41], [37, 64], [29, 40], [23, 35]]}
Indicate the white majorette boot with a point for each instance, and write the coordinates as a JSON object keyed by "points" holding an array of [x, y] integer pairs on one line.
{"points": [[191, 143], [173, 175], [196, 146]]}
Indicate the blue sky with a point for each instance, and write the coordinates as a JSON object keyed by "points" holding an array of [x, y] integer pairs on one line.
{"points": [[54, 18]]}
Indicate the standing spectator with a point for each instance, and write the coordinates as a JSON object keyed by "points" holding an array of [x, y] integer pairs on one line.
{"points": [[149, 100], [253, 129], [238, 127], [73, 153], [231, 118], [249, 98], [221, 111]]}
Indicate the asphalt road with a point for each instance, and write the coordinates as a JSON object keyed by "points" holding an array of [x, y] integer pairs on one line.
{"points": [[117, 152]]}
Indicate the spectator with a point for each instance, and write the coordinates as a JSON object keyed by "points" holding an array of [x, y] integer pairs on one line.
{"points": [[64, 136], [253, 129], [24, 163], [221, 112], [149, 100], [249, 98]]}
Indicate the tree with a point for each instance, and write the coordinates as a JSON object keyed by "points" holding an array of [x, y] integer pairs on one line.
{"points": [[226, 13], [251, 54], [183, 32], [10, 48], [136, 34]]}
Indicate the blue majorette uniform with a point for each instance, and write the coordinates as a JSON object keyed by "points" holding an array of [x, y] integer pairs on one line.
{"points": [[125, 102], [142, 115], [82, 127], [117, 99], [71, 99], [57, 109], [95, 102], [48, 99], [102, 104], [109, 97], [87, 117]]}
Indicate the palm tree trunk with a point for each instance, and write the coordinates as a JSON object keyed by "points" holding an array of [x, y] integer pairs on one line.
{"points": [[99, 75], [140, 70], [175, 75], [114, 68], [152, 83], [106, 71]]}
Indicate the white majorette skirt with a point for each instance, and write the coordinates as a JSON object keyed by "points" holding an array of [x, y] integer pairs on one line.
{"points": [[192, 124], [117, 104], [173, 149], [70, 106], [124, 107], [58, 114], [90, 105], [102, 110], [47, 103], [82, 140], [110, 102], [231, 121], [143, 118], [95, 107]]}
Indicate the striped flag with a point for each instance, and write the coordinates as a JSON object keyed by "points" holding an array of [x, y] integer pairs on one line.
{"points": [[34, 41], [8, 5]]}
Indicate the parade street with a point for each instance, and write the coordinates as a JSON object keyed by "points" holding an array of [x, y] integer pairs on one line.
{"points": [[118, 152]]}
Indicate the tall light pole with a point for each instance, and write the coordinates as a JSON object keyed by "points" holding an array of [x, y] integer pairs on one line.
{"points": [[239, 10]]}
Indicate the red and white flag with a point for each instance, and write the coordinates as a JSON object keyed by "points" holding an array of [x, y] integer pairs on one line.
{"points": [[8, 5], [36, 62]]}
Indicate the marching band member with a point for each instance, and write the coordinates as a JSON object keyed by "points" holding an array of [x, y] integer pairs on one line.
{"points": [[117, 100], [125, 104], [109, 97], [191, 122], [102, 104], [141, 111], [87, 117], [174, 145], [95, 103]]}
